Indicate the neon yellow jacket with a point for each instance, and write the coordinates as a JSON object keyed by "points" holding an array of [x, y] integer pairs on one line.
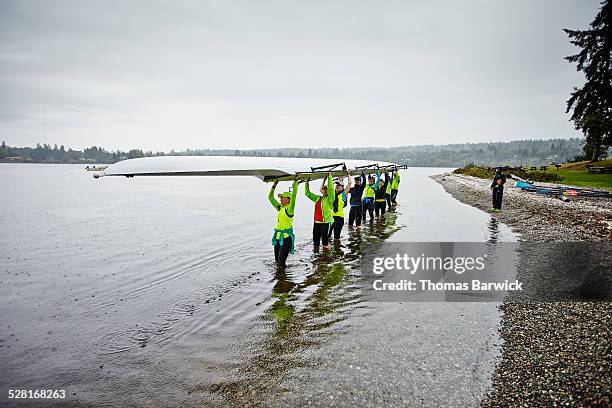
{"points": [[369, 191], [396, 181], [341, 201], [284, 216], [326, 202]]}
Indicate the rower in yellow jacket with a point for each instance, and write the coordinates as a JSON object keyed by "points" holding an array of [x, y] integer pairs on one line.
{"points": [[394, 188], [283, 238], [340, 201], [322, 211], [369, 193]]}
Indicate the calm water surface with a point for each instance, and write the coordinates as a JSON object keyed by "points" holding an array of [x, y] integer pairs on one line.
{"points": [[163, 290]]}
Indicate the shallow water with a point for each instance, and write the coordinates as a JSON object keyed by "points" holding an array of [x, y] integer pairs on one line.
{"points": [[162, 291]]}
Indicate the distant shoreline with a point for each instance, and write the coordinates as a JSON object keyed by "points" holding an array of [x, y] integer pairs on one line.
{"points": [[88, 163], [513, 153]]}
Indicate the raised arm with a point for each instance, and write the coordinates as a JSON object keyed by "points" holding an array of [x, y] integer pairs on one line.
{"points": [[363, 182], [294, 191], [331, 196], [377, 180], [348, 185], [271, 197], [313, 197]]}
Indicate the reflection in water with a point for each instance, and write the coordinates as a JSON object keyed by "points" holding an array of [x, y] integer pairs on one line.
{"points": [[493, 227], [305, 313], [281, 309]]}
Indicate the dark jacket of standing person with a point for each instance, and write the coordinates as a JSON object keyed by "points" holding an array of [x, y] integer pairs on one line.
{"points": [[499, 179], [497, 189]]}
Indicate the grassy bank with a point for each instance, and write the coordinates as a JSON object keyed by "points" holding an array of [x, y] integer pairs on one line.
{"points": [[574, 174]]}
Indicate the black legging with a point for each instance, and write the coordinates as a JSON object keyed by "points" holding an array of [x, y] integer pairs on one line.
{"points": [[380, 206], [355, 215], [498, 195], [368, 207], [336, 227], [319, 233], [388, 199], [282, 252]]}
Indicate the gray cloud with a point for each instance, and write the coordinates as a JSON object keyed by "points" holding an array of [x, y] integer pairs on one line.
{"points": [[244, 74]]}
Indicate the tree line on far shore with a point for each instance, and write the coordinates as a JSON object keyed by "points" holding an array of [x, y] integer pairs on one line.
{"points": [[514, 153], [46, 153]]}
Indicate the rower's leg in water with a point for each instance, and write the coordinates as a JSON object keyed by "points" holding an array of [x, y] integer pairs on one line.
{"points": [[388, 200], [368, 208], [355, 215], [379, 208], [316, 234], [331, 228], [338, 224], [324, 230], [319, 233], [283, 252]]}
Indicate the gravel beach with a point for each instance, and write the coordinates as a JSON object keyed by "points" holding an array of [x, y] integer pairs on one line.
{"points": [[554, 353]]}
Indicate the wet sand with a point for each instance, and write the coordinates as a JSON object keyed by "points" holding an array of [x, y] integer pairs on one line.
{"points": [[553, 353]]}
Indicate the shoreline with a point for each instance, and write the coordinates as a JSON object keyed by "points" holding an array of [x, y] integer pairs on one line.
{"points": [[554, 353]]}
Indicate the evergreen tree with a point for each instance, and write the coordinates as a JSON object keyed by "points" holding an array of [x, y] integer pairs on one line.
{"points": [[592, 104]]}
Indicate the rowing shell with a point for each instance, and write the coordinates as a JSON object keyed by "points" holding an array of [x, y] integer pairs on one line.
{"points": [[265, 168]]}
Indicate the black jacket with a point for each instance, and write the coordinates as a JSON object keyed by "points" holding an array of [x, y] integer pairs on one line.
{"points": [[498, 176], [357, 192], [382, 189]]}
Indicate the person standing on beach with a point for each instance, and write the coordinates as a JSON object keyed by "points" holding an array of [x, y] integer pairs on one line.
{"points": [[322, 212], [283, 238], [340, 199], [356, 192], [497, 189]]}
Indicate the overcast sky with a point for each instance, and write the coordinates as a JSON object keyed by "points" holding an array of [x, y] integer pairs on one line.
{"points": [[253, 74]]}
